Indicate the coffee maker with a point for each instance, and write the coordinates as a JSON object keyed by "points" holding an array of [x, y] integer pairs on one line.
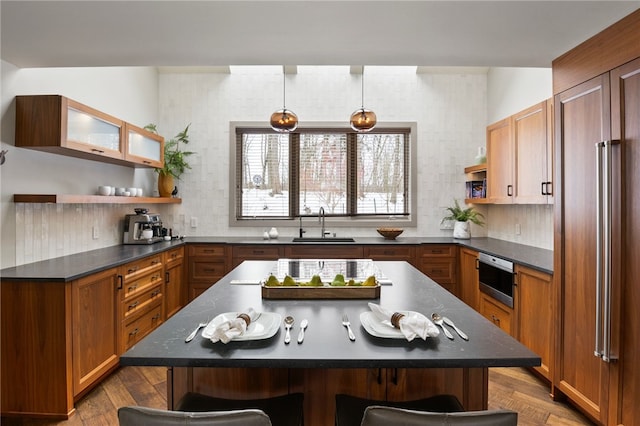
{"points": [[142, 228]]}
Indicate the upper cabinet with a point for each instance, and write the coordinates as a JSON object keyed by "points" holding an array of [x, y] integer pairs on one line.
{"points": [[60, 125], [519, 157], [143, 147]]}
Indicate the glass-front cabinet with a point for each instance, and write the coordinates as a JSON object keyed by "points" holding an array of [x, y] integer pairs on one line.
{"points": [[143, 147], [91, 130]]}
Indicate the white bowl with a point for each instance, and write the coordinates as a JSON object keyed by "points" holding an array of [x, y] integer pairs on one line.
{"points": [[104, 190], [120, 191], [132, 191]]}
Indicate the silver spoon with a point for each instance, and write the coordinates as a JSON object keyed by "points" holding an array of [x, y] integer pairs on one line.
{"points": [[438, 320], [288, 322], [303, 325]]}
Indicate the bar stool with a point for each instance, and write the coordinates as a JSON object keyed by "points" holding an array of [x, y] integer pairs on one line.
{"points": [[143, 416], [350, 409], [285, 410], [384, 416]]}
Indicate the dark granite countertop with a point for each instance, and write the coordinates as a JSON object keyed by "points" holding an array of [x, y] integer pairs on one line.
{"points": [[75, 266], [326, 344]]}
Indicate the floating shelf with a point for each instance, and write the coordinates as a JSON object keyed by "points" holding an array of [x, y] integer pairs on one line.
{"points": [[476, 169], [477, 201], [91, 199]]}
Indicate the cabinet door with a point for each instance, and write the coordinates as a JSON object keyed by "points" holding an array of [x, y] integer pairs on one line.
{"points": [[143, 147], [500, 315], [173, 289], [500, 184], [533, 299], [582, 120], [625, 103], [95, 327], [469, 282], [530, 139]]}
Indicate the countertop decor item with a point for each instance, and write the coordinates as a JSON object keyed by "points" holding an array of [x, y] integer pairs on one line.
{"points": [[175, 160], [390, 233], [462, 217], [363, 120], [284, 120]]}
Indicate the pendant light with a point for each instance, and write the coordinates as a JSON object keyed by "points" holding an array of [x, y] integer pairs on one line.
{"points": [[284, 121], [363, 120]]}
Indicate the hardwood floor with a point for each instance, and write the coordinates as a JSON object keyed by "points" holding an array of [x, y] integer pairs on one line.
{"points": [[511, 388]]}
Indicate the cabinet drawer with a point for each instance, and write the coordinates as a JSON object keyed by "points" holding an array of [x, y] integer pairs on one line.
{"points": [[141, 284], [496, 312], [136, 329], [390, 253], [133, 269], [174, 255], [257, 252], [439, 271], [438, 250], [210, 250], [204, 269], [324, 251], [140, 301]]}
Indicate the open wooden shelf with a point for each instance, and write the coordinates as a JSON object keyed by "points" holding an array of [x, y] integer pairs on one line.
{"points": [[477, 201], [91, 199], [476, 168]]}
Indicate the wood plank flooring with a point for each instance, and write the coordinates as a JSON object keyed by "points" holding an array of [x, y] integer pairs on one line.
{"points": [[511, 388]]}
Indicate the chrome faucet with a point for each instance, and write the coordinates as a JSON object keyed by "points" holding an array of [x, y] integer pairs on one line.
{"points": [[321, 221]]}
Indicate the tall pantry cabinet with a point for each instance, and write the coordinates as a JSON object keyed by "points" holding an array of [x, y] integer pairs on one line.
{"points": [[597, 224]]}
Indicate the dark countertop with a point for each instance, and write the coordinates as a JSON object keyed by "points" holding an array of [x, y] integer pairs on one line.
{"points": [[75, 266], [326, 344]]}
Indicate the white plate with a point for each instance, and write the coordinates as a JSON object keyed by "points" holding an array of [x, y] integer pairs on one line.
{"points": [[264, 327], [378, 328]]}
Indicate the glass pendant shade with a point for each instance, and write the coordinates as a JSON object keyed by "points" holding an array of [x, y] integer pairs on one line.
{"points": [[363, 120], [284, 121]]}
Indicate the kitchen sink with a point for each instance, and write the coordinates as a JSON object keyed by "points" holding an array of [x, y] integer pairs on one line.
{"points": [[323, 240]]}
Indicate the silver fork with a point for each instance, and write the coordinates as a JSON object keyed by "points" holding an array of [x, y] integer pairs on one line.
{"points": [[194, 332], [346, 323]]}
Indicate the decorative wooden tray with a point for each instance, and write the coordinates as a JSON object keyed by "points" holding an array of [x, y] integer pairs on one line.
{"points": [[321, 292]]}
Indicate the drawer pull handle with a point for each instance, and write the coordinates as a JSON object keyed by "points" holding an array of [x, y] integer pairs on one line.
{"points": [[209, 270], [154, 277], [133, 305], [155, 318], [98, 151], [120, 282], [258, 251], [389, 252], [134, 332], [209, 250], [132, 288], [132, 270]]}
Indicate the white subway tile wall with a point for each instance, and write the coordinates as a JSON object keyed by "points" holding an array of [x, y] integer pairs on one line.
{"points": [[450, 111]]}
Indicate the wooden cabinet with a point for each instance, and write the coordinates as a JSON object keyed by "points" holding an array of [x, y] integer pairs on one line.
{"points": [[602, 108], [500, 155], [95, 328], [243, 252], [533, 298], [519, 157], [498, 313], [60, 125], [174, 289], [143, 147], [468, 279], [440, 263], [140, 299], [391, 252], [207, 263], [532, 140], [324, 251]]}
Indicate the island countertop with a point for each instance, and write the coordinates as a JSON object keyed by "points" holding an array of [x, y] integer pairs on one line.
{"points": [[326, 344]]}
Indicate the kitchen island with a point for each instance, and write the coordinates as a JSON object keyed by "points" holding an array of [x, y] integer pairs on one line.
{"points": [[327, 362]]}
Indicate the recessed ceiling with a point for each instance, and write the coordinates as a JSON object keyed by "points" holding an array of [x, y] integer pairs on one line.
{"points": [[221, 33]]}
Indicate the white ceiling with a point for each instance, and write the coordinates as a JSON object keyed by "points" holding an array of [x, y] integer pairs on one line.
{"points": [[475, 33]]}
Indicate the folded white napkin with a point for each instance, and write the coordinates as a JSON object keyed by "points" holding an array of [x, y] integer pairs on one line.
{"points": [[227, 330], [411, 326]]}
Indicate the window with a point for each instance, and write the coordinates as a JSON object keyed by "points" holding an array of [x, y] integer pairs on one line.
{"points": [[352, 176]]}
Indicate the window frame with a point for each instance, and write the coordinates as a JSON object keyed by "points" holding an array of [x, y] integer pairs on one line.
{"points": [[334, 221]]}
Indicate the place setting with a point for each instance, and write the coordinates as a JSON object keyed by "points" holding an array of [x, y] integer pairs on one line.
{"points": [[240, 326]]}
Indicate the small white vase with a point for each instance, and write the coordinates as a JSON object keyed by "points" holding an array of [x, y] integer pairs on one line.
{"points": [[461, 230], [273, 233]]}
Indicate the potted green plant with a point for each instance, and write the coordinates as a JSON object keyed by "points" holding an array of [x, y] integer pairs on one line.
{"points": [[175, 160], [462, 217]]}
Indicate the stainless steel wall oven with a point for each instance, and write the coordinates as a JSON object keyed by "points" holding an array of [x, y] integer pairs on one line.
{"points": [[496, 278]]}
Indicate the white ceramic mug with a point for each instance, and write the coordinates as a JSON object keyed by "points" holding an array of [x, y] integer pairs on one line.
{"points": [[147, 234], [120, 191], [132, 191], [139, 192], [104, 190]]}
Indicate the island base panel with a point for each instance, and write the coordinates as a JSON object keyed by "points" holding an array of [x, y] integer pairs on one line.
{"points": [[320, 386]]}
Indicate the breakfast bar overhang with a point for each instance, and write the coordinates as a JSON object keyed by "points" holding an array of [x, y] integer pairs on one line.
{"points": [[328, 362]]}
